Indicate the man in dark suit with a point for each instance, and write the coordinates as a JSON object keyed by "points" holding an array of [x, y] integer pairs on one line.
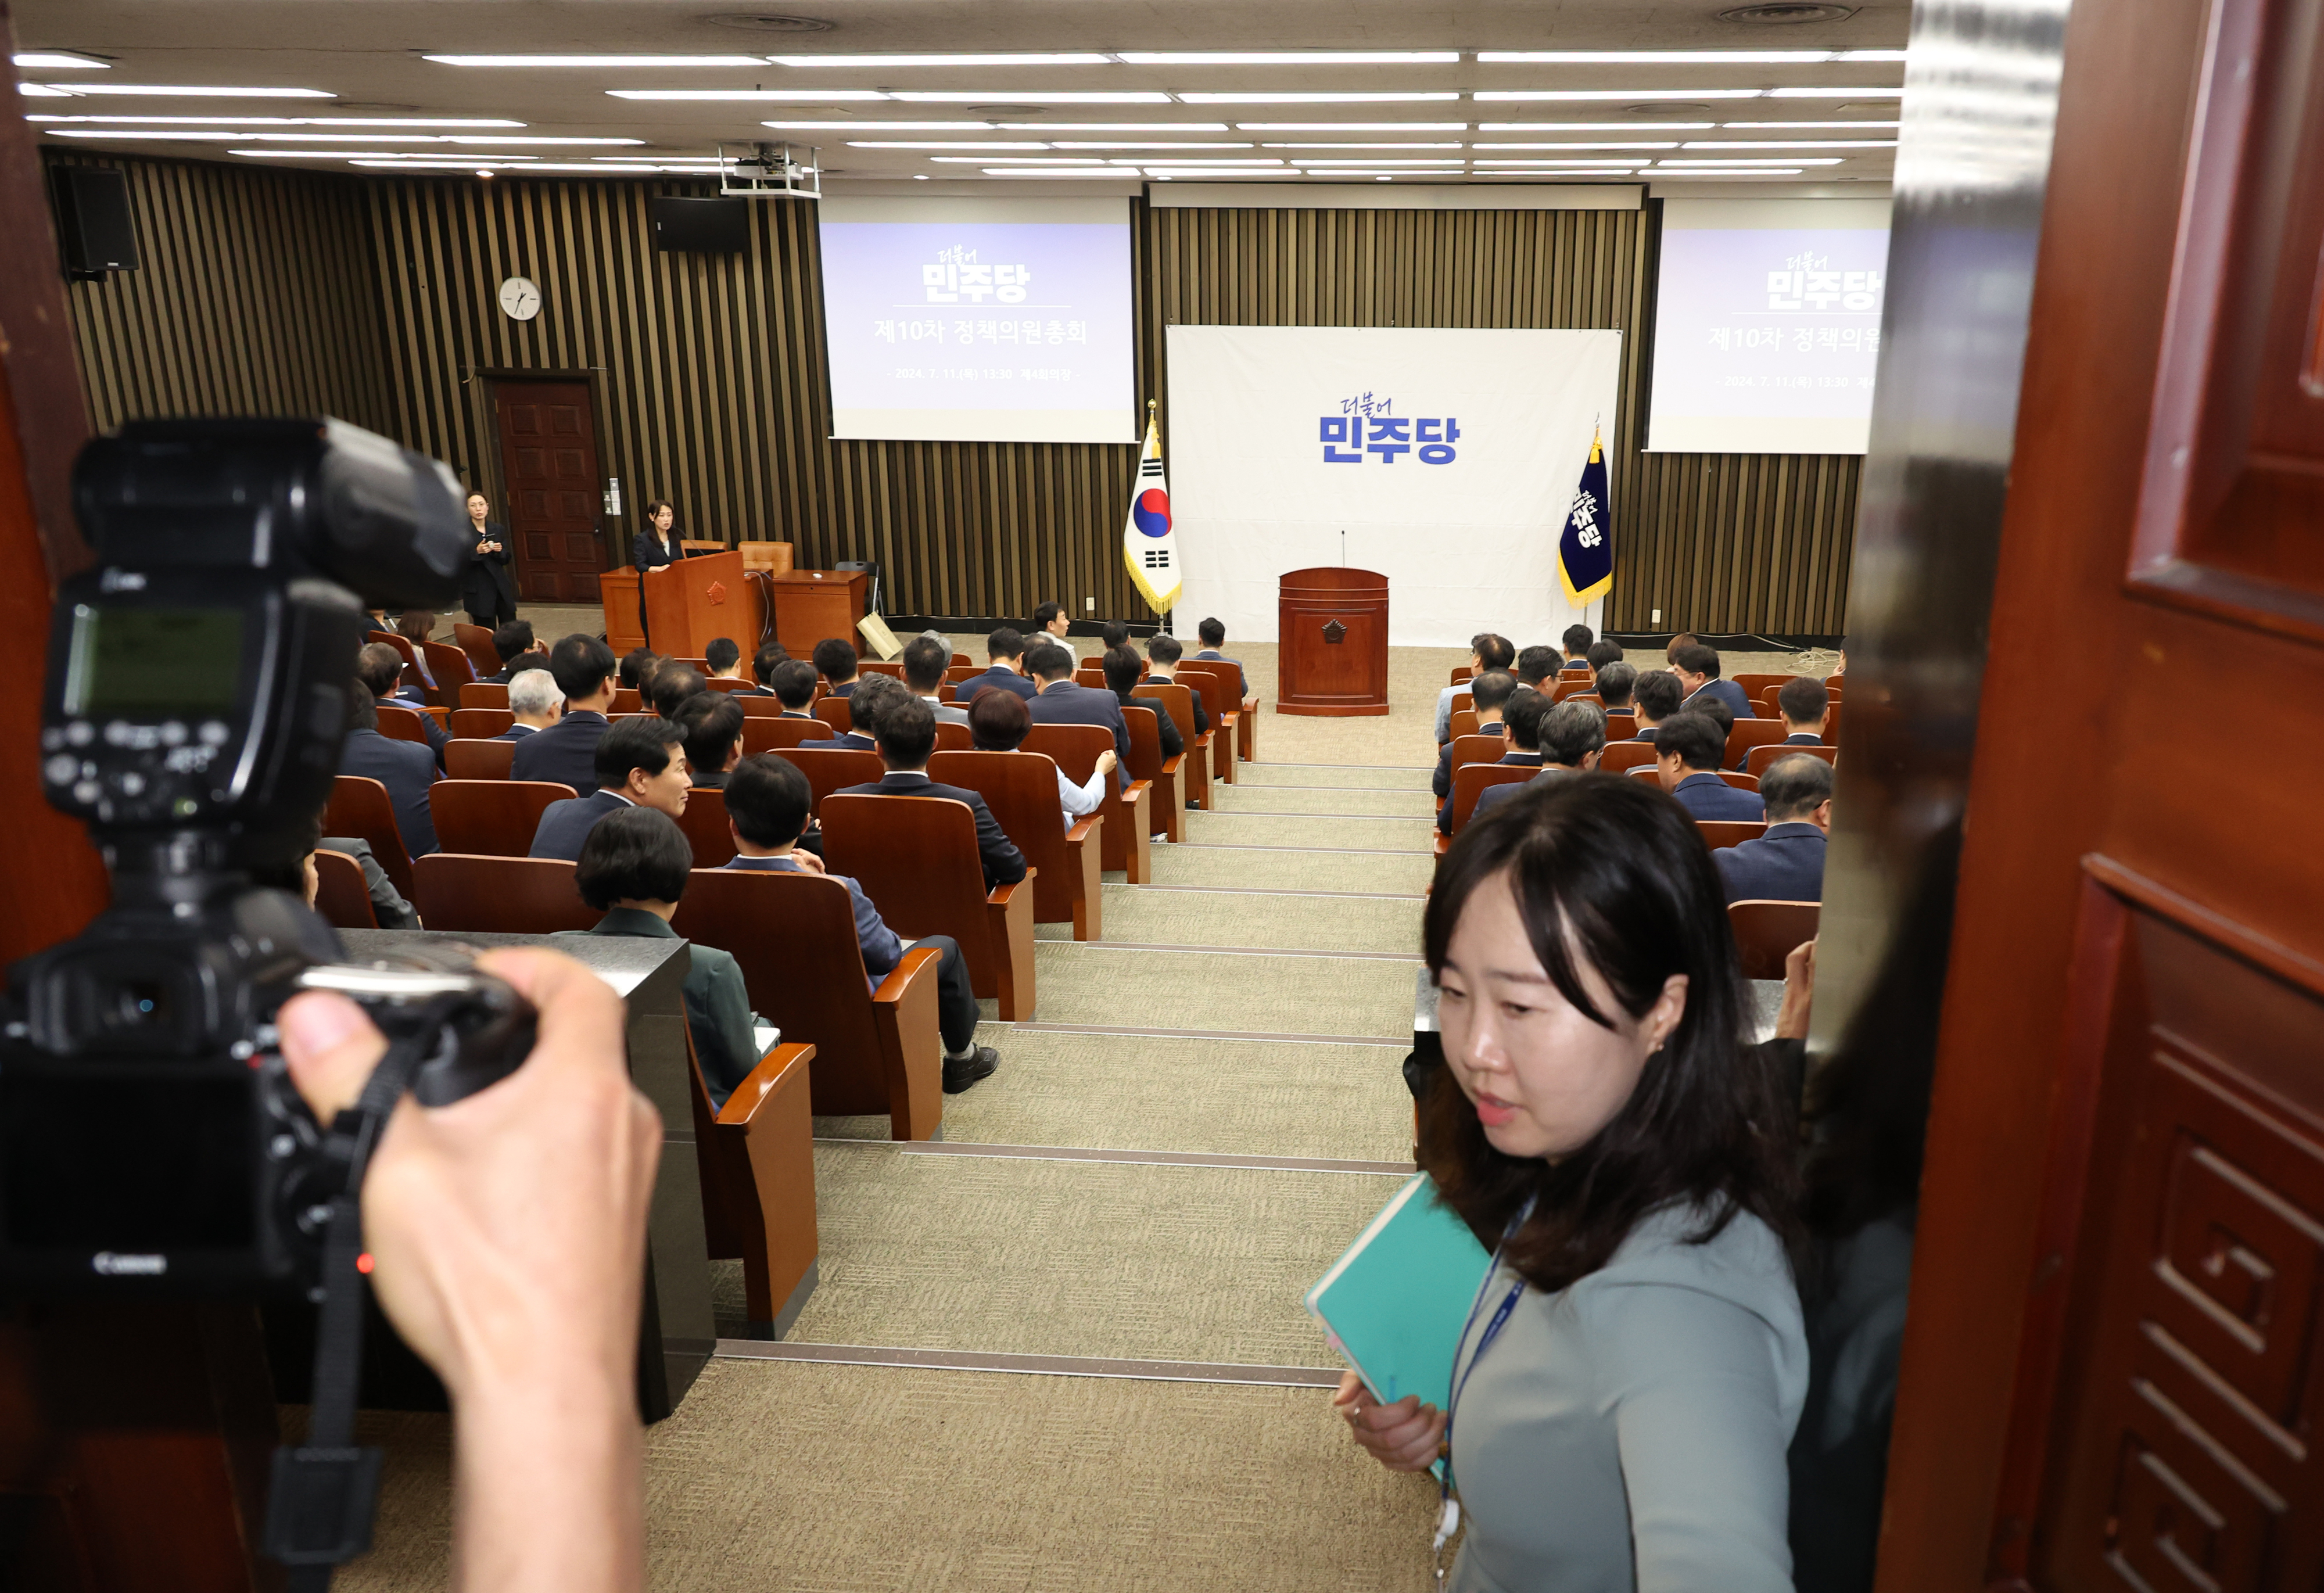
{"points": [[567, 751], [873, 695], [793, 683], [1521, 722], [763, 665], [1786, 863], [537, 701], [1577, 639], [1123, 679], [1163, 651], [1616, 681], [640, 762], [1213, 633], [1572, 735], [1806, 704], [1654, 697], [713, 724], [907, 739], [1061, 702], [1535, 664], [1697, 669], [723, 656], [379, 667], [926, 660], [1004, 650], [1692, 747], [406, 769], [1491, 691], [836, 659], [1486, 651], [519, 652], [767, 803]]}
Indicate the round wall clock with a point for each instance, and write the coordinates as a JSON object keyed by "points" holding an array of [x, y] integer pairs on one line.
{"points": [[520, 299]]}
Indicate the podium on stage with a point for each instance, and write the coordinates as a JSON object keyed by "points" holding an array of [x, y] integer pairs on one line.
{"points": [[689, 603], [1331, 642]]}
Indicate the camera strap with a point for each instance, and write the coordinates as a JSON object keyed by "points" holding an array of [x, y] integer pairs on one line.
{"points": [[324, 1492]]}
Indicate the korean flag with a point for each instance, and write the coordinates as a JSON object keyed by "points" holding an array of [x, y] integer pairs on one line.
{"points": [[1585, 550], [1149, 546]]}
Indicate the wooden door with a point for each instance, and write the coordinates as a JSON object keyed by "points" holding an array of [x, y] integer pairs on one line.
{"points": [[2113, 1375], [549, 462]]}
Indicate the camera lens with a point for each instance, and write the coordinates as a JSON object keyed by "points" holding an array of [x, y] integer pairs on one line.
{"points": [[141, 1004]]}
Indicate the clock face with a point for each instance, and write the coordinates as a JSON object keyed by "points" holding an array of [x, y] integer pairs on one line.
{"points": [[520, 299]]}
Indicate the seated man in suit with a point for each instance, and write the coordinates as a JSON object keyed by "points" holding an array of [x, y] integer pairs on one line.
{"points": [[763, 665], [1806, 704], [1573, 735], [766, 804], [406, 769], [1051, 624], [1521, 720], [873, 697], [1486, 651], [518, 651], [379, 667], [389, 910], [1601, 652], [1683, 639], [1212, 635], [1786, 863], [1061, 702], [926, 660], [638, 665], [1697, 669], [1123, 674], [1578, 639], [1115, 634], [907, 739], [673, 683], [1004, 652], [793, 682], [1692, 747], [836, 659], [1653, 699], [1493, 689], [724, 658], [1163, 651], [1536, 664], [633, 868], [567, 751], [640, 763], [537, 701], [712, 727], [1616, 680], [998, 721]]}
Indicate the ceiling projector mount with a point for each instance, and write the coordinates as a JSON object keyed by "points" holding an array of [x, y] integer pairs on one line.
{"points": [[770, 172]]}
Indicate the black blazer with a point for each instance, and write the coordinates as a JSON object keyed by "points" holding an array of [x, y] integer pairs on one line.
{"points": [[647, 552], [565, 753], [854, 740], [486, 587], [999, 674], [1172, 743], [1202, 714], [407, 769], [1004, 864], [1445, 814], [564, 826], [1440, 782], [1064, 702]]}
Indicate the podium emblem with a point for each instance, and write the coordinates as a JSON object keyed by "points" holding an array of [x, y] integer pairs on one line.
{"points": [[1334, 632], [717, 592]]}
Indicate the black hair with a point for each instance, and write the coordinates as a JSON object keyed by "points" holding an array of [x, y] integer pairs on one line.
{"points": [[1603, 652], [713, 722], [379, 667], [363, 710], [926, 660], [1489, 690], [638, 666], [1803, 699], [1536, 663], [1571, 732], [637, 854], [656, 505], [1046, 613], [1717, 710], [673, 683], [1116, 634], [793, 683], [1122, 668], [1614, 683], [1577, 639], [1522, 718], [643, 740], [1610, 873], [767, 659], [1695, 737], [512, 639], [769, 799], [580, 665], [1164, 649], [1213, 633], [1794, 788], [1048, 661], [907, 732], [1657, 693], [998, 720], [869, 703], [1005, 641], [1697, 659], [836, 659], [721, 653], [1493, 652]]}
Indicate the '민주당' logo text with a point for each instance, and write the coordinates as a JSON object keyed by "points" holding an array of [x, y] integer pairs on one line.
{"points": [[1369, 427]]}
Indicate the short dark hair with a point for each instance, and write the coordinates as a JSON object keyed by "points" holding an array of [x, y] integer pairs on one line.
{"points": [[1491, 689], [1657, 693], [1536, 663], [713, 724], [869, 703], [1697, 659], [1493, 652], [1723, 715], [1122, 668], [1213, 633], [1522, 718], [907, 732], [1164, 649], [793, 683], [638, 665], [580, 665], [1614, 684], [643, 740], [673, 683], [926, 660], [638, 854], [1571, 732], [768, 660], [769, 799], [721, 653], [1684, 638], [836, 659], [1803, 699], [1601, 653], [512, 639], [1609, 873], [1695, 737], [1046, 613], [1578, 638], [999, 721], [1004, 641], [363, 710], [1048, 661], [1794, 788], [379, 667], [1115, 634]]}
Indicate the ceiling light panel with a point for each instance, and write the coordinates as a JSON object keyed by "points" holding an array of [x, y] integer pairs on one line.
{"points": [[1123, 96], [959, 143], [1671, 160], [1681, 57], [286, 121], [1084, 58], [1829, 126], [1288, 58], [1670, 144], [59, 60], [596, 60], [879, 127], [1794, 143], [1440, 161], [179, 90], [1356, 126], [1264, 96], [1384, 146], [1079, 143], [41, 91], [1835, 94], [1642, 95], [1018, 160], [756, 95], [1596, 126], [1113, 126], [1110, 174]]}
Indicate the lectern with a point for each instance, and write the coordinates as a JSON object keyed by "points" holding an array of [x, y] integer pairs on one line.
{"points": [[1331, 642], [692, 602]]}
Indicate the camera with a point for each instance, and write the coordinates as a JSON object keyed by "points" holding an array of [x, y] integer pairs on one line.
{"points": [[199, 686]]}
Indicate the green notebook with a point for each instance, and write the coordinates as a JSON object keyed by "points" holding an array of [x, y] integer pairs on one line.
{"points": [[1393, 1306]]}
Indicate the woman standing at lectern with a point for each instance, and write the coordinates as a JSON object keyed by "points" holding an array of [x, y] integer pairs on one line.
{"points": [[653, 547], [487, 592]]}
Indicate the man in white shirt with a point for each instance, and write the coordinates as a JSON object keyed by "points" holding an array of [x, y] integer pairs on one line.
{"points": [[1050, 621]]}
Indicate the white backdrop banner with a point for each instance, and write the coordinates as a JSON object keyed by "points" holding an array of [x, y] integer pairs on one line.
{"points": [[1445, 459]]}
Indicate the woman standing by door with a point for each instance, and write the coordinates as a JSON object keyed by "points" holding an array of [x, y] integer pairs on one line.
{"points": [[486, 590], [653, 547]]}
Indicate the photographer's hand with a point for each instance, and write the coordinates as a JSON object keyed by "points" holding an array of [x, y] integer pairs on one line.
{"points": [[507, 1235]]}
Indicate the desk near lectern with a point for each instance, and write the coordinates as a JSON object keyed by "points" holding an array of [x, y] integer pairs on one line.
{"points": [[1331, 642], [813, 604]]}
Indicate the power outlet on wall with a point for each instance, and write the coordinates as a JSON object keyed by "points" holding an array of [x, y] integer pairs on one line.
{"points": [[1657, 619], [1089, 605]]}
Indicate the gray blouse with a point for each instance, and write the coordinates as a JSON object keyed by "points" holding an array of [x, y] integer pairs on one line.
{"points": [[1630, 1432]]}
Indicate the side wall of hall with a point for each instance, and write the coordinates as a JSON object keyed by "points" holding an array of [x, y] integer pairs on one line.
{"points": [[375, 299]]}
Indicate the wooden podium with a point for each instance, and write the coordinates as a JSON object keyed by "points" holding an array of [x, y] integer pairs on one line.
{"points": [[813, 604], [689, 603], [1331, 642]]}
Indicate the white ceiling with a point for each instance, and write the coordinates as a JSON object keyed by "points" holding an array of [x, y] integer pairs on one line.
{"points": [[368, 55]]}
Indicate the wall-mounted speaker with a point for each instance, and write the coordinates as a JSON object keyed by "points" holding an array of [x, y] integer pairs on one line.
{"points": [[93, 221]]}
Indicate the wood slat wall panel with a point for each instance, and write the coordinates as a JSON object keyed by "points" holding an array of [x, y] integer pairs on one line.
{"points": [[376, 299]]}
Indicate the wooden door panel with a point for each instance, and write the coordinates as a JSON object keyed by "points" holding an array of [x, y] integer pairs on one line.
{"points": [[549, 460]]}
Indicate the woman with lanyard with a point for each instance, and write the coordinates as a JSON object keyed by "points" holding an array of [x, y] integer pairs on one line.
{"points": [[1634, 1364], [653, 547]]}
